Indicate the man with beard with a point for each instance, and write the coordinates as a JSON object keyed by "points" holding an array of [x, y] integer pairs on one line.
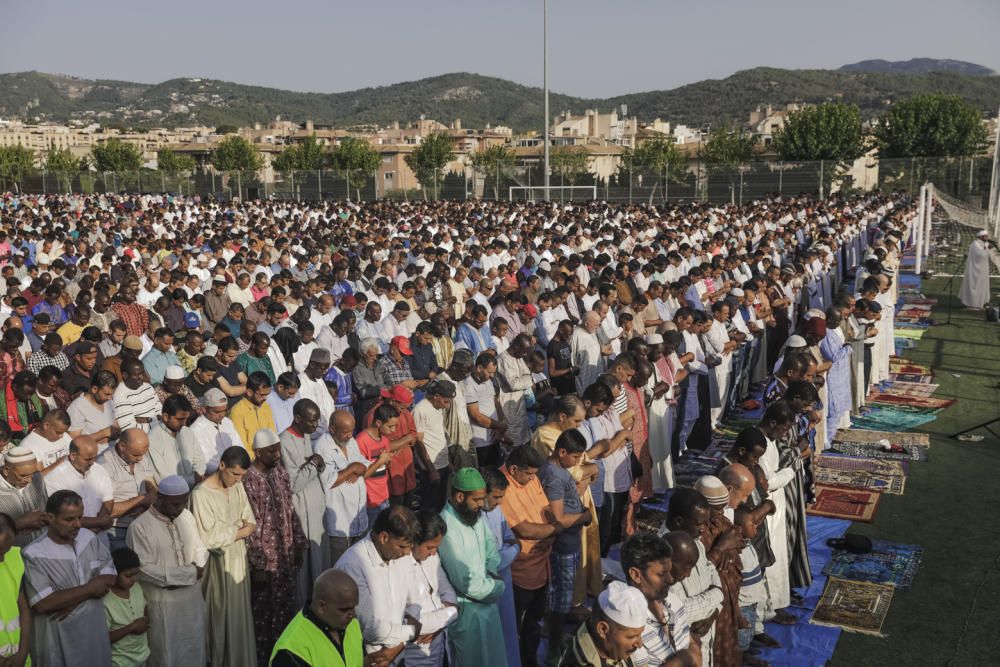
{"points": [[647, 561], [473, 638], [171, 554], [274, 550]]}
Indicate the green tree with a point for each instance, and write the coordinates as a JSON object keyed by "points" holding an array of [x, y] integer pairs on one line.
{"points": [[570, 162], [663, 159], [726, 151], [226, 129], [16, 162], [358, 159], [116, 155], [831, 134], [429, 159], [932, 125], [234, 153], [63, 164], [496, 162], [172, 162]]}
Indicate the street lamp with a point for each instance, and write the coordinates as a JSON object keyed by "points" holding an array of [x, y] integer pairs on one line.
{"points": [[545, 86]]}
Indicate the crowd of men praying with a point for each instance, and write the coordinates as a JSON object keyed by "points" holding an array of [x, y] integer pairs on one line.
{"points": [[424, 433]]}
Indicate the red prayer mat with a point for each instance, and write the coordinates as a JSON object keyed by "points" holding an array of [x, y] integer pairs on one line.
{"points": [[845, 503]]}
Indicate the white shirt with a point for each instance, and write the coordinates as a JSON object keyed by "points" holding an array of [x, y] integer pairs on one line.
{"points": [[46, 451], [345, 514], [383, 594], [430, 421], [484, 396], [95, 487], [214, 439]]}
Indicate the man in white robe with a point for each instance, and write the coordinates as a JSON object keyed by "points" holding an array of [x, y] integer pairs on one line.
{"points": [[170, 553], [975, 292], [587, 351]]}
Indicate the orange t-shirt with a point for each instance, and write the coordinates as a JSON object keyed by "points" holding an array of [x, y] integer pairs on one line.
{"points": [[530, 570]]}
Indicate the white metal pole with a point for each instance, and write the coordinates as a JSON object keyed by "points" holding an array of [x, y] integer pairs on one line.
{"points": [[918, 232], [545, 85], [928, 211]]}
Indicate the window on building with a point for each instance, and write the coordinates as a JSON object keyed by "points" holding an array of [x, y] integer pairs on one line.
{"points": [[389, 175]]}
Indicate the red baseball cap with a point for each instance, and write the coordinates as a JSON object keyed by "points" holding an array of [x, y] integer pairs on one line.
{"points": [[530, 310], [399, 393], [403, 344]]}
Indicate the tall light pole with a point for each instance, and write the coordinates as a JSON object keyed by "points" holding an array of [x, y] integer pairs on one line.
{"points": [[545, 86]]}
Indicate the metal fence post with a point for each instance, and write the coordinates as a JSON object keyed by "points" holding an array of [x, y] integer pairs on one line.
{"points": [[781, 178], [319, 183]]}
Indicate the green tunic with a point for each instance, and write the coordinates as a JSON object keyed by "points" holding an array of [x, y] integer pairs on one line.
{"points": [[469, 556]]}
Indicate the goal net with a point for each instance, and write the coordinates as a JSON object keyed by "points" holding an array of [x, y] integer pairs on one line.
{"points": [[557, 193], [954, 225]]}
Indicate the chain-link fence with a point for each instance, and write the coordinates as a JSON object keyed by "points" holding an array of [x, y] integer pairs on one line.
{"points": [[965, 178]]}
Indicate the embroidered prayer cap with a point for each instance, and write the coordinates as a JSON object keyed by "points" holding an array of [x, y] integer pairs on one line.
{"points": [[737, 292], [789, 269], [814, 313], [623, 604], [654, 339], [712, 488], [19, 454], [214, 398], [174, 372], [797, 341], [468, 479], [319, 355], [265, 438], [132, 343], [173, 485], [463, 357]]}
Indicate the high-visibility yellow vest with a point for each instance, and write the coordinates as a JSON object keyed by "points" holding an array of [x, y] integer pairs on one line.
{"points": [[303, 638]]}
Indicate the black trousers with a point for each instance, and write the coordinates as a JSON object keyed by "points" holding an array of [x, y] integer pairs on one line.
{"points": [[609, 520], [433, 495], [529, 607], [868, 366], [490, 455]]}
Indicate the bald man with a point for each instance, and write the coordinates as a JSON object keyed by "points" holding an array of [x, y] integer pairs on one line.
{"points": [[78, 473], [131, 474], [739, 481], [326, 631]]}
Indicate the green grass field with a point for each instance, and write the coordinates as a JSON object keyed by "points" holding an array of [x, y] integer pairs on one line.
{"points": [[951, 614]]}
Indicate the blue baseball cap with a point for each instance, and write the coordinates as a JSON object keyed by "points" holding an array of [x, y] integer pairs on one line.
{"points": [[191, 321]]}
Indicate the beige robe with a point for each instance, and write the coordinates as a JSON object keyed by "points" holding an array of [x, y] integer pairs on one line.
{"points": [[226, 583]]}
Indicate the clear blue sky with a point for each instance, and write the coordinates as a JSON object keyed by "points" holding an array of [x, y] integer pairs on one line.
{"points": [[598, 49]]}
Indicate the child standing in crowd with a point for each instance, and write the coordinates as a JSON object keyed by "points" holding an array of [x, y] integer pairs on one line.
{"points": [[125, 608]]}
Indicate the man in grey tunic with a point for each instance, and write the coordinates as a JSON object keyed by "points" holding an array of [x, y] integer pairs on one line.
{"points": [[22, 494], [304, 468], [173, 447], [67, 571]]}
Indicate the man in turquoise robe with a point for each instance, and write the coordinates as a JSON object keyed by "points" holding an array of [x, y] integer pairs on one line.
{"points": [[470, 558]]}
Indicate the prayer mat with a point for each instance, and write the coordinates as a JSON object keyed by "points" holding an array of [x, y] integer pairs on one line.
{"points": [[881, 466], [691, 467], [911, 378], [891, 419], [875, 451], [887, 563], [861, 479], [912, 335], [919, 300], [923, 390], [843, 503], [649, 520], [854, 606], [922, 403], [857, 435], [718, 448], [897, 365]]}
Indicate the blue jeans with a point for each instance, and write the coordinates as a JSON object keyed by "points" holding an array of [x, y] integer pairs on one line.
{"points": [[744, 637]]}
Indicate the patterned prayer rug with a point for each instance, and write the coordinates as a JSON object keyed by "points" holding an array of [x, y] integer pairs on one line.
{"points": [[897, 365], [859, 435], [691, 467], [872, 474], [874, 451], [843, 503], [923, 390], [911, 377], [925, 404], [887, 563], [855, 606], [718, 448]]}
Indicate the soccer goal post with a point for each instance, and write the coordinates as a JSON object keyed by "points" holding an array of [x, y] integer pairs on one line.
{"points": [[557, 193]]}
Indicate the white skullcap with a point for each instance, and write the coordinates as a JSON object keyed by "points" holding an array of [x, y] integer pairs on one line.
{"points": [[796, 341], [713, 490], [265, 438], [736, 291], [623, 604], [174, 485], [814, 313], [654, 339], [214, 398], [174, 372], [982, 232], [19, 454], [544, 265]]}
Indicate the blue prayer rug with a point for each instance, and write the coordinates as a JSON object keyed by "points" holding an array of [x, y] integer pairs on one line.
{"points": [[888, 563]]}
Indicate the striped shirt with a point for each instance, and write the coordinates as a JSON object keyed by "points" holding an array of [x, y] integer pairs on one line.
{"points": [[661, 641], [133, 403], [752, 590]]}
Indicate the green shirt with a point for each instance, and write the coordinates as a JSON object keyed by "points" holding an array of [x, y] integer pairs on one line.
{"points": [[131, 650]]}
